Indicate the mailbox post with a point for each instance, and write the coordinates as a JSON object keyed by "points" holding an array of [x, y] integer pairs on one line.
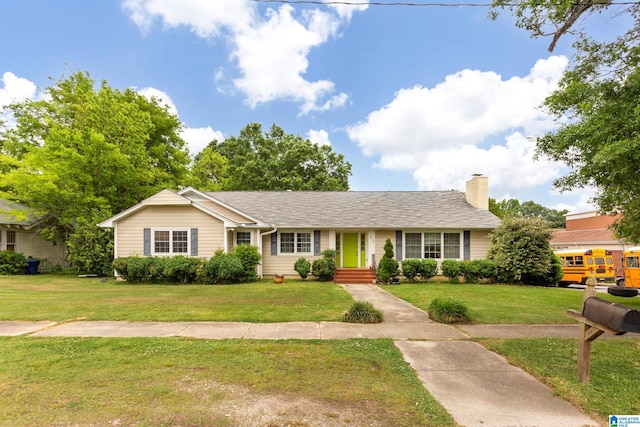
{"points": [[599, 316]]}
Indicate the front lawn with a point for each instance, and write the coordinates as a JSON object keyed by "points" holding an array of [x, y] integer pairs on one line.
{"points": [[615, 371], [495, 303], [190, 382], [59, 298]]}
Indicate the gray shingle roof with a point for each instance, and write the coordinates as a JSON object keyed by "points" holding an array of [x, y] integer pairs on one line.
{"points": [[360, 209], [7, 218]]}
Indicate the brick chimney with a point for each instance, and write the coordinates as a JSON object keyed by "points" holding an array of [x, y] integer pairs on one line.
{"points": [[478, 191]]}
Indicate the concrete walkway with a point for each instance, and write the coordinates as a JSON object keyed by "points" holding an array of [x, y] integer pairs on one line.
{"points": [[477, 387]]}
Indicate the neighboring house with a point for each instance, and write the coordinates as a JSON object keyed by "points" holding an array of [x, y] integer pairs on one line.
{"points": [[287, 225], [590, 230], [20, 232]]}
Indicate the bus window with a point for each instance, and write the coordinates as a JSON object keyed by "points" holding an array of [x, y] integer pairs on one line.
{"points": [[569, 261], [599, 261], [632, 262], [579, 260], [590, 261]]}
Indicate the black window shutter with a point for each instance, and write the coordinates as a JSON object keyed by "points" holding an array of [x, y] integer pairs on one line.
{"points": [[147, 241], [274, 244], [467, 245], [194, 242], [399, 245], [316, 242]]}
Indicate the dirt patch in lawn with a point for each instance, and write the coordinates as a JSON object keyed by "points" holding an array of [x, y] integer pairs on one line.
{"points": [[244, 408]]}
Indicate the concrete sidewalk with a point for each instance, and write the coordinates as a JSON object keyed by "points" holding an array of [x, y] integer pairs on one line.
{"points": [[476, 386]]}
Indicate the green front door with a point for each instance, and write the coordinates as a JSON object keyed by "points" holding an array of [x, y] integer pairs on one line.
{"points": [[350, 250]]}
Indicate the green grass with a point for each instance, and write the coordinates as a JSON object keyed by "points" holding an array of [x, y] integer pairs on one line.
{"points": [[171, 381], [505, 303], [614, 374], [59, 298]]}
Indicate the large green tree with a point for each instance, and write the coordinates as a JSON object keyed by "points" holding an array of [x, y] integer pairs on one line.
{"points": [[82, 149], [597, 103], [83, 153], [512, 208], [521, 252], [274, 160]]}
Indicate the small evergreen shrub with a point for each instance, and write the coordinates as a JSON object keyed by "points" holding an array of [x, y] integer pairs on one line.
{"points": [[362, 312], [180, 269], [452, 269], [325, 268], [388, 266], [250, 258], [411, 268], [230, 268], [303, 267], [12, 263], [478, 269], [429, 269], [448, 310]]}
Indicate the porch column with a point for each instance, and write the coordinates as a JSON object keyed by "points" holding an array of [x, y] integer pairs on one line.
{"points": [[371, 247], [332, 239]]}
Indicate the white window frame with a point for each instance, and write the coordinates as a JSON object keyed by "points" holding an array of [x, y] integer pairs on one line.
{"points": [[235, 240], [171, 251], [4, 240], [442, 246], [295, 242]]}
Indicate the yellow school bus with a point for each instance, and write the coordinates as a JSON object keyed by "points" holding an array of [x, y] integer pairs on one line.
{"points": [[631, 268], [578, 264]]}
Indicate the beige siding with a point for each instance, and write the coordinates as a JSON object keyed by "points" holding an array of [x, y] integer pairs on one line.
{"points": [[130, 230], [29, 243], [227, 213], [480, 244], [283, 264], [166, 197], [381, 238]]}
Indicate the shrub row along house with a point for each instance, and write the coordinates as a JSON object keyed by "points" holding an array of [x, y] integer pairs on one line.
{"points": [[287, 225]]}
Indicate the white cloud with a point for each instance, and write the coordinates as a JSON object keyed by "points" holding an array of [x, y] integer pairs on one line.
{"points": [[320, 137], [15, 89], [196, 138], [161, 96], [439, 133], [270, 52], [199, 138]]}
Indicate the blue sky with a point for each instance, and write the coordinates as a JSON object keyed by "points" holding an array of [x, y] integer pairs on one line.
{"points": [[416, 98]]}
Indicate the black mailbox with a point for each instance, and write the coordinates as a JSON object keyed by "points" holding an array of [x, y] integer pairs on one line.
{"points": [[615, 316]]}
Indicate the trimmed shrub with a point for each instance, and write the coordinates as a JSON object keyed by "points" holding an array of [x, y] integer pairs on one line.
{"points": [[230, 268], [429, 269], [180, 269], [324, 269], [452, 269], [388, 266], [411, 268], [303, 267], [448, 310], [478, 269], [12, 263], [250, 258], [362, 312]]}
